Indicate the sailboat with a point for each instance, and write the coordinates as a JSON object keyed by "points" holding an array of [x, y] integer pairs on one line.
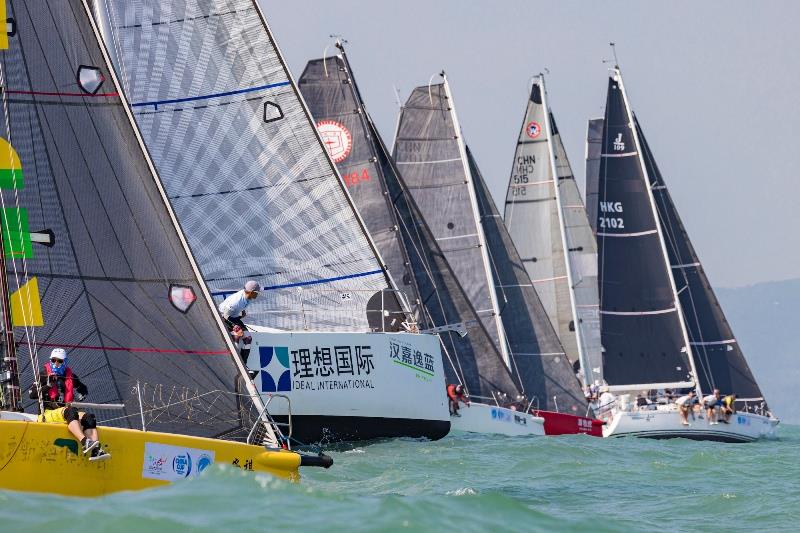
{"points": [[258, 197], [662, 327], [96, 264], [447, 185], [409, 247]]}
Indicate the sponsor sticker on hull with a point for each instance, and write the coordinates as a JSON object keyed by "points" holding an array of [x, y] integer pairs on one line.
{"points": [[171, 463]]}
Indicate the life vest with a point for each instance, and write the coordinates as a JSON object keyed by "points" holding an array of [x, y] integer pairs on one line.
{"points": [[728, 402], [68, 385]]}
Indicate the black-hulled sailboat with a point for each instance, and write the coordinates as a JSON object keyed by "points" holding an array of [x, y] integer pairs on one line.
{"points": [[411, 251], [96, 264], [662, 328], [445, 181]]}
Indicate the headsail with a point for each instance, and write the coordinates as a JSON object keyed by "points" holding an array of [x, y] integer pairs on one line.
{"points": [[538, 357], [548, 224], [244, 167], [642, 332], [330, 89], [114, 284], [717, 355], [431, 156]]}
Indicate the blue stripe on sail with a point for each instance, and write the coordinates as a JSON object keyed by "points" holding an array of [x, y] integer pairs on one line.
{"points": [[305, 283], [156, 103]]}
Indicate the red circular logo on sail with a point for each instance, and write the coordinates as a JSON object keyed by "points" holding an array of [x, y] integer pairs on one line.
{"points": [[337, 139], [534, 129]]}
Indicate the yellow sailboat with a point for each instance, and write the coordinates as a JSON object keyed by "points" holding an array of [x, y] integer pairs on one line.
{"points": [[97, 267]]}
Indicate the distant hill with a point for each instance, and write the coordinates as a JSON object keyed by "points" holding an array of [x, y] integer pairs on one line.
{"points": [[766, 321]]}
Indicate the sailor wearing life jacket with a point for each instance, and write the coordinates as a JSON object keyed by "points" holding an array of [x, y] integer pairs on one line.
{"points": [[59, 388], [455, 394]]}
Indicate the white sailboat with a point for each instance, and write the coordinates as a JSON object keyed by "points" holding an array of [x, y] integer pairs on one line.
{"points": [[259, 197], [662, 327]]}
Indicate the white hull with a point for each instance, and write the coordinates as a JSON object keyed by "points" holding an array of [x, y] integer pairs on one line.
{"points": [[665, 423], [482, 418], [353, 386]]}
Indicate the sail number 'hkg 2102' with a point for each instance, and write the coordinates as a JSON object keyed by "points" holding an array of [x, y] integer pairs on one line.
{"points": [[613, 222]]}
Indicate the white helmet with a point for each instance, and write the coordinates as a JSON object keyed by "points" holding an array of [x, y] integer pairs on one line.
{"points": [[58, 353]]}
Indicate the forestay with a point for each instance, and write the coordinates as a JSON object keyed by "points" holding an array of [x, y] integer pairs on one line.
{"points": [[717, 355], [542, 219], [248, 176], [537, 355], [641, 326], [93, 252], [409, 246]]}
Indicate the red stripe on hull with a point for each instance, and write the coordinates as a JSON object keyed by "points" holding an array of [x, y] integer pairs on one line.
{"points": [[566, 424]]}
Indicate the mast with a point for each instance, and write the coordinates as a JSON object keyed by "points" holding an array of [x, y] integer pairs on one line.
{"points": [[659, 229], [12, 397], [366, 123], [501, 334], [563, 231]]}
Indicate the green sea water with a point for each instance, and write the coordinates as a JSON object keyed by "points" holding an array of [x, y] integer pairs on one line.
{"points": [[465, 482]]}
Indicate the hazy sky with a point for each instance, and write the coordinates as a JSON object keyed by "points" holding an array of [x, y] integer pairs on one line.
{"points": [[715, 85]]}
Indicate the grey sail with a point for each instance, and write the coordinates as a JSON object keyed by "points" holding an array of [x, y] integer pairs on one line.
{"points": [[329, 90], [547, 221], [718, 357], [431, 157], [538, 357], [594, 138], [471, 360], [247, 174], [641, 329], [89, 234]]}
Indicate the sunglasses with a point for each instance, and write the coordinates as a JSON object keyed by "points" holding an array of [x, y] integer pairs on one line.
{"points": [[54, 360]]}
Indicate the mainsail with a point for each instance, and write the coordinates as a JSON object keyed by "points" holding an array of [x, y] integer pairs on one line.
{"points": [[594, 139], [719, 359], [432, 159], [643, 336], [329, 89], [547, 221], [332, 94], [93, 251], [246, 172], [537, 355]]}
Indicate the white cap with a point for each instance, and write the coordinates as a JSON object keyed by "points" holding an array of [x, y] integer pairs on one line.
{"points": [[58, 353], [252, 286]]}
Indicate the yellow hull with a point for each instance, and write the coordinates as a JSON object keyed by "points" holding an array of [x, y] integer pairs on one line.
{"points": [[39, 457]]}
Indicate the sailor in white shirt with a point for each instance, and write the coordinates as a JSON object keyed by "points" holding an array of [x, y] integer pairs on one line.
{"points": [[233, 310]]}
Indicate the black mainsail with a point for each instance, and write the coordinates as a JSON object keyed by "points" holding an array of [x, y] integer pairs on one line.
{"points": [[643, 335], [404, 239], [718, 357], [594, 139], [93, 251]]}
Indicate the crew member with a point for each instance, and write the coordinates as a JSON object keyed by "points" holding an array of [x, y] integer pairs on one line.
{"points": [[60, 387], [685, 405], [710, 403], [233, 311], [728, 407], [455, 394]]}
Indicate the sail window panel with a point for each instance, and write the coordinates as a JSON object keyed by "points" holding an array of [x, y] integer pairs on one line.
{"points": [[90, 79], [272, 112], [643, 349]]}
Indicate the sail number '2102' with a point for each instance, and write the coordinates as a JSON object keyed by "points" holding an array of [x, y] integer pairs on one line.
{"points": [[611, 208]]}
